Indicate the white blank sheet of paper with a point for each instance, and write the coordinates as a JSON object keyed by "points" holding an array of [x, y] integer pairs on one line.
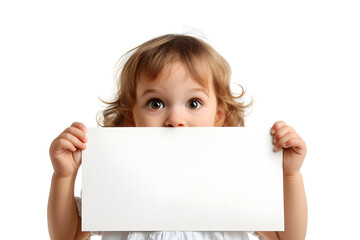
{"points": [[182, 179]]}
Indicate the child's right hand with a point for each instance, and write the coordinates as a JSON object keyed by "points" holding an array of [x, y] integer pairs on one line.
{"points": [[65, 150]]}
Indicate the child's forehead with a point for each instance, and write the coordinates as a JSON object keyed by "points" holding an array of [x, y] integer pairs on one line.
{"points": [[174, 77], [199, 72]]}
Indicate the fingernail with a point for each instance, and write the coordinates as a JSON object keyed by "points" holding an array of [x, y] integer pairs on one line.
{"points": [[272, 131]]}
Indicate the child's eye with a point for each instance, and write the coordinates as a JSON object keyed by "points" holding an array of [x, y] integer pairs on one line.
{"points": [[155, 104], [194, 103]]}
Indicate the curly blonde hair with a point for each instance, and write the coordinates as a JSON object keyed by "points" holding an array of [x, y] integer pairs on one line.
{"points": [[151, 57]]}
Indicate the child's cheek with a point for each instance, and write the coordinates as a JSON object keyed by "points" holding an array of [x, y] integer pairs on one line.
{"points": [[152, 120], [202, 120]]}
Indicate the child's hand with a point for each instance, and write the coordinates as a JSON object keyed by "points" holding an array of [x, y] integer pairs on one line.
{"points": [[65, 150], [294, 147]]}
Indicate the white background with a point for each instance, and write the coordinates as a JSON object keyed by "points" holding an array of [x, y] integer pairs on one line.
{"points": [[299, 61]]}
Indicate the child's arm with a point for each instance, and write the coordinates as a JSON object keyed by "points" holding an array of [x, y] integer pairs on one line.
{"points": [[65, 154], [294, 151]]}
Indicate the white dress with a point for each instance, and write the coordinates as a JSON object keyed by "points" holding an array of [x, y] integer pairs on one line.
{"points": [[167, 235]]}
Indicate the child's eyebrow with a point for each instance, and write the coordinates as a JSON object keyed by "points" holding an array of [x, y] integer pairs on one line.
{"points": [[152, 90], [147, 91], [204, 90]]}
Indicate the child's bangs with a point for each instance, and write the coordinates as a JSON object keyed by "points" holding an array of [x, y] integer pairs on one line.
{"points": [[156, 54]]}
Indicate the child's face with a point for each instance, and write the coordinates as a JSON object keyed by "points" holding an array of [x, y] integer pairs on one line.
{"points": [[174, 99]]}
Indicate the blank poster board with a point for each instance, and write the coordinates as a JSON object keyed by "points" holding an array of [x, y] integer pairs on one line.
{"points": [[182, 179]]}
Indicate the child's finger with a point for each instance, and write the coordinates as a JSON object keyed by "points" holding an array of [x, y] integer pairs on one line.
{"points": [[80, 126], [77, 133], [74, 140], [65, 144], [282, 142], [297, 144], [277, 125], [282, 132]]}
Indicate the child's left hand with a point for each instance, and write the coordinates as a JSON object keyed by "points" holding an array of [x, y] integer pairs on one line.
{"points": [[294, 147]]}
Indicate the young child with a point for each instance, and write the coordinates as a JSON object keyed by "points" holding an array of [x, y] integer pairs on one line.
{"points": [[171, 81]]}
